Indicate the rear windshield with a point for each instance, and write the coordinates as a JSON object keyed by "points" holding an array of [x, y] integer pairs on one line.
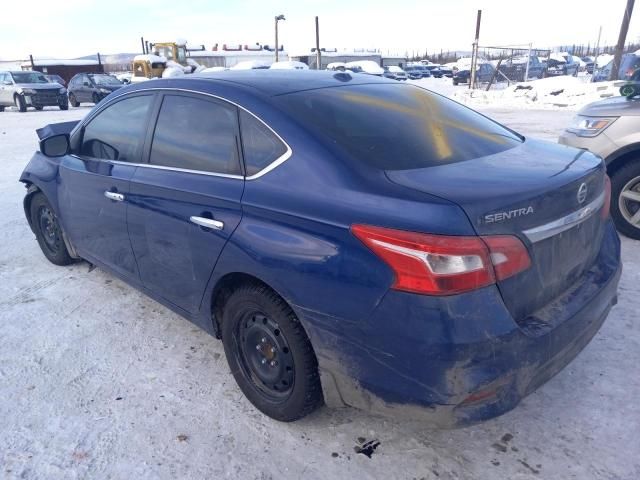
{"points": [[397, 127]]}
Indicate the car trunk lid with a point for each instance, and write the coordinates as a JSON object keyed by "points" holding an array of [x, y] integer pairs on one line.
{"points": [[549, 196]]}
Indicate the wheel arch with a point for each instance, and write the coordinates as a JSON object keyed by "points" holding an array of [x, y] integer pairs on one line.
{"points": [[620, 157], [223, 289]]}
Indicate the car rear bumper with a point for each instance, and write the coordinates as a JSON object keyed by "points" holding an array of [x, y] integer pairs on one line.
{"points": [[458, 360]]}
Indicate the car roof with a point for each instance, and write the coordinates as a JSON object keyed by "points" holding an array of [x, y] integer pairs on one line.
{"points": [[280, 82]]}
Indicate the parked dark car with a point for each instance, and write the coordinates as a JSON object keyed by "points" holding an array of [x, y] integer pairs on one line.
{"points": [[394, 72], [590, 64], [426, 73], [557, 66], [91, 87], [445, 71], [484, 74], [323, 225], [413, 72], [24, 89], [629, 66], [435, 70], [56, 79], [515, 69]]}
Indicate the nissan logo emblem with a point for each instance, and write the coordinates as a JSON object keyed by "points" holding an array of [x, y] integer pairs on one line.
{"points": [[582, 193]]}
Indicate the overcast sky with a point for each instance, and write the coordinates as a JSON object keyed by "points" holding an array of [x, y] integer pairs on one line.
{"points": [[72, 28]]}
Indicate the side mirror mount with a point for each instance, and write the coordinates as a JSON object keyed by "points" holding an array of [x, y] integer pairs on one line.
{"points": [[56, 145]]}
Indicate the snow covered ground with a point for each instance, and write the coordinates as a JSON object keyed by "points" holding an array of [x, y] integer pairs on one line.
{"points": [[98, 381], [556, 93]]}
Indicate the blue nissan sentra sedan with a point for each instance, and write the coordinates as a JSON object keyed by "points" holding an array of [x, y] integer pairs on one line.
{"points": [[352, 240]]}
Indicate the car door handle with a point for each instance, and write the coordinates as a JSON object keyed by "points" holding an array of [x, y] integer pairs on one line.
{"points": [[118, 197], [207, 222]]}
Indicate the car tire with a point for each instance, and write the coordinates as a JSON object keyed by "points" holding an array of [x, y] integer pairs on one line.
{"points": [[39, 108], [1, 109], [269, 354], [48, 231], [456, 81], [20, 104], [626, 180], [64, 106], [95, 98], [73, 100]]}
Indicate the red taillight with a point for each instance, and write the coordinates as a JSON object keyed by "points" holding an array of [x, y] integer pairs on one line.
{"points": [[444, 265], [604, 213], [508, 255]]}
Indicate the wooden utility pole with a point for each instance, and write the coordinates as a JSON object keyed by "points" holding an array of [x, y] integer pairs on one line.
{"points": [[474, 54], [624, 28], [318, 55]]}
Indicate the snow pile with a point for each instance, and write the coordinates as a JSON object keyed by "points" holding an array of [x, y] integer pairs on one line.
{"points": [[198, 68], [214, 69], [553, 92], [149, 58], [174, 69], [289, 65], [367, 66], [603, 60], [250, 65]]}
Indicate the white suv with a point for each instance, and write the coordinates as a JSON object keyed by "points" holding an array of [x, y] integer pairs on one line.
{"points": [[611, 128]]}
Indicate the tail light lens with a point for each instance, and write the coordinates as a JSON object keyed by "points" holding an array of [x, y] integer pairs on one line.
{"points": [[444, 265], [604, 213]]}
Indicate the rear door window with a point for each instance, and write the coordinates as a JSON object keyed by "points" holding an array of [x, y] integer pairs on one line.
{"points": [[260, 145], [196, 134], [396, 126], [118, 131]]}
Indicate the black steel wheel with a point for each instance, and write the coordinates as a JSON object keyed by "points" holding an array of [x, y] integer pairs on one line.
{"points": [[48, 231], [264, 355], [269, 354]]}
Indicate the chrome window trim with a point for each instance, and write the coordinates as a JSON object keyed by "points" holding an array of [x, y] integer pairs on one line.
{"points": [[563, 224], [276, 163], [161, 167]]}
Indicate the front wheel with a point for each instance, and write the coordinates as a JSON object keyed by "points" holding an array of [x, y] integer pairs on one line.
{"points": [[48, 231], [20, 104], [625, 199], [73, 100], [269, 354], [64, 106], [96, 98]]}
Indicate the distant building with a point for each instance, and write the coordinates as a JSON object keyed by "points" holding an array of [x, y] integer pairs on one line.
{"points": [[65, 68], [328, 56], [228, 56]]}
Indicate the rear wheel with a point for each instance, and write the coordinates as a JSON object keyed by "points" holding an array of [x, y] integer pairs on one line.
{"points": [[48, 231], [625, 199], [39, 108], [20, 104], [269, 354], [1, 109]]}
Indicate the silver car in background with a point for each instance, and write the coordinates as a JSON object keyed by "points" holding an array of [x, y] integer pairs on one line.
{"points": [[24, 89], [611, 128]]}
